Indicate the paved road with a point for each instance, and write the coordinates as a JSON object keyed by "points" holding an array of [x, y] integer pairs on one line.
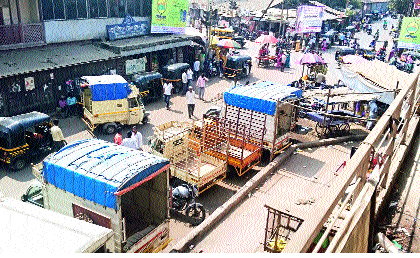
{"points": [[13, 184]]}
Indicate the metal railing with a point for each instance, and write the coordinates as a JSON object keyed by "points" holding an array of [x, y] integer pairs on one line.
{"points": [[373, 167], [21, 33]]}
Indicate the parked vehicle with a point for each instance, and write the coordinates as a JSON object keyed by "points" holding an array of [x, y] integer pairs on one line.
{"points": [[173, 73], [23, 138], [367, 53], [190, 161], [113, 186], [149, 86], [402, 66], [238, 66], [183, 199], [30, 229], [343, 51], [109, 101]]}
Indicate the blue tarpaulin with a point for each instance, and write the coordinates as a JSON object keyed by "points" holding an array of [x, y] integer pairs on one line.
{"points": [[108, 87], [260, 96], [95, 170]]}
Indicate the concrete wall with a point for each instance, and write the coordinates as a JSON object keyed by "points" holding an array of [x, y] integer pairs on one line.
{"points": [[78, 30], [29, 11]]}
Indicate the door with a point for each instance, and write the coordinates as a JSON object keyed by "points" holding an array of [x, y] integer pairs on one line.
{"points": [[134, 111]]}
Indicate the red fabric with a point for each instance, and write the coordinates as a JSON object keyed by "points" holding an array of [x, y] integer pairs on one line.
{"points": [[118, 139]]}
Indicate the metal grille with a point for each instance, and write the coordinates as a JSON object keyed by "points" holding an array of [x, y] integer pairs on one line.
{"points": [[279, 229], [25, 33]]}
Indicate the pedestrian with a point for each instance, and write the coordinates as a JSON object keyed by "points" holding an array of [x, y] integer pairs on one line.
{"points": [[373, 114], [320, 80], [118, 136], [71, 105], [137, 137], [196, 68], [189, 76], [283, 61], [57, 135], [190, 102], [324, 45], [129, 141], [201, 86], [62, 103], [278, 65], [184, 78], [167, 89]]}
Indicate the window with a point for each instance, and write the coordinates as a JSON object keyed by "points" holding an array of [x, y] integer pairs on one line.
{"points": [[134, 7], [47, 10], [117, 8], [97, 8], [76, 9], [59, 10], [132, 103]]}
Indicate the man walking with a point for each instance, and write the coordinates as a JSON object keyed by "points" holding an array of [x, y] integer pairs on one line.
{"points": [[138, 138], [196, 68], [190, 102], [167, 89], [57, 135], [184, 78], [189, 76], [129, 141], [201, 86]]}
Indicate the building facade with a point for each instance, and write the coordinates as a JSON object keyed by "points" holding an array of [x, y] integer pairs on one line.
{"points": [[45, 45]]}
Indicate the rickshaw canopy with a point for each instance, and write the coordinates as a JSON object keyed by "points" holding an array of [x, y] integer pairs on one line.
{"points": [[22, 122], [146, 77]]}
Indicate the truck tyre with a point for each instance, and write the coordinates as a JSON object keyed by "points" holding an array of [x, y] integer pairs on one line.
{"points": [[18, 164], [110, 128]]}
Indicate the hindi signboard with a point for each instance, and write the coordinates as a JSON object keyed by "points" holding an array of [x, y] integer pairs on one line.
{"points": [[169, 16], [309, 18], [127, 29], [410, 33], [135, 65]]}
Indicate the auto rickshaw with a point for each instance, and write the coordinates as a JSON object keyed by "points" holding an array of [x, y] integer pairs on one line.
{"points": [[149, 85], [343, 51], [238, 66], [173, 73], [24, 137]]}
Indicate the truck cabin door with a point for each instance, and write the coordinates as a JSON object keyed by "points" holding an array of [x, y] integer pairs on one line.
{"points": [[134, 110]]}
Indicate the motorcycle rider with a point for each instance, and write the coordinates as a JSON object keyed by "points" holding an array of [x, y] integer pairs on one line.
{"points": [[373, 44]]}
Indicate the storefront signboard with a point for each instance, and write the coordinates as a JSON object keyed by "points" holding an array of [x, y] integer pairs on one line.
{"points": [[410, 33], [169, 16], [127, 29], [135, 66], [309, 19]]}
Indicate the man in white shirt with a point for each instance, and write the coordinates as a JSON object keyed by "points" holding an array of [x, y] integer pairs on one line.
{"points": [[189, 76], [190, 102], [138, 138], [184, 78], [129, 141], [167, 89], [57, 135], [196, 68]]}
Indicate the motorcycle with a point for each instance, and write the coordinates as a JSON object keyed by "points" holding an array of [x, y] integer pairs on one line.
{"points": [[183, 199], [385, 26], [381, 56], [408, 68]]}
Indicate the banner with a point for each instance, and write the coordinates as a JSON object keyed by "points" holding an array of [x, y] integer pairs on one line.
{"points": [[410, 33], [309, 18], [127, 29], [169, 16]]}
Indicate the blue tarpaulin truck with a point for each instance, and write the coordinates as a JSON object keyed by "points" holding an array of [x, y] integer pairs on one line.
{"points": [[113, 186]]}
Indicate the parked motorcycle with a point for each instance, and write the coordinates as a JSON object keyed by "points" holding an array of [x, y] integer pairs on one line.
{"points": [[408, 68], [183, 199]]}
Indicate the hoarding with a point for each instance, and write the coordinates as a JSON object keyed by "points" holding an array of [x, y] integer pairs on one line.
{"points": [[169, 16], [127, 29], [309, 18], [410, 33]]}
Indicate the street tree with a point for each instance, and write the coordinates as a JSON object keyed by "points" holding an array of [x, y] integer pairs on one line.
{"points": [[401, 6]]}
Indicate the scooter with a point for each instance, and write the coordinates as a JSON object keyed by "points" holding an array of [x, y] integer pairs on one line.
{"points": [[183, 199]]}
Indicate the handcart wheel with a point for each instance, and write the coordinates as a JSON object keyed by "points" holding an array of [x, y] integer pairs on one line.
{"points": [[345, 127], [321, 129]]}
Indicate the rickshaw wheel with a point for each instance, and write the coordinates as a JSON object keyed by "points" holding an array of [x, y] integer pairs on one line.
{"points": [[321, 129], [18, 164], [345, 127]]}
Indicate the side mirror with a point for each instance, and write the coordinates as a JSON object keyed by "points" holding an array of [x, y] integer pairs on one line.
{"points": [[24, 198]]}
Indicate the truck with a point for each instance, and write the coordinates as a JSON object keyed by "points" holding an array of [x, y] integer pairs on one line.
{"points": [[109, 101], [189, 157], [122, 189], [254, 117], [31, 229]]}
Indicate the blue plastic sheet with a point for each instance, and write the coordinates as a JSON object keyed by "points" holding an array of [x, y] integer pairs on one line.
{"points": [[95, 169], [108, 87], [260, 96]]}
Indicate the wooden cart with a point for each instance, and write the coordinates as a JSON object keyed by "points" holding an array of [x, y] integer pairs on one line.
{"points": [[189, 156]]}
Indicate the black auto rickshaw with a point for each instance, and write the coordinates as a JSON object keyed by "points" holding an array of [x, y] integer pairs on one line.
{"points": [[173, 73], [149, 85], [343, 51], [238, 66], [367, 53], [23, 137]]}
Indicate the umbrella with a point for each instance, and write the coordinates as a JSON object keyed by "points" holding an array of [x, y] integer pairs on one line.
{"points": [[310, 58], [353, 59], [228, 43], [264, 39]]}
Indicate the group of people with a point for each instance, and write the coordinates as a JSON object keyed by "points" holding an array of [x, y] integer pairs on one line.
{"points": [[134, 139], [67, 105]]}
